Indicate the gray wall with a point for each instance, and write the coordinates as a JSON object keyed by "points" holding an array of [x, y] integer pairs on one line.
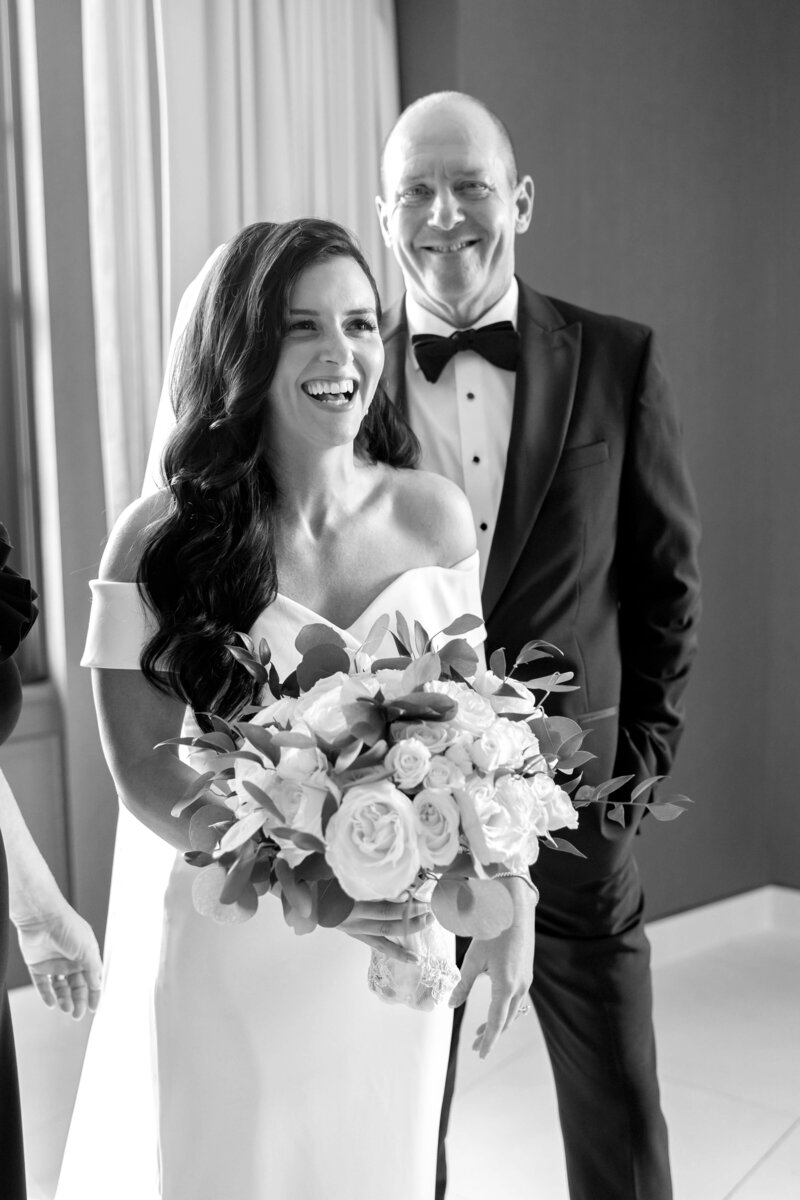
{"points": [[662, 138]]}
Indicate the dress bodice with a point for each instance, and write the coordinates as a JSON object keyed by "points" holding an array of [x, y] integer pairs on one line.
{"points": [[120, 622]]}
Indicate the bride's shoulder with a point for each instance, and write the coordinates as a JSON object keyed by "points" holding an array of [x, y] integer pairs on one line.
{"points": [[436, 510], [123, 549]]}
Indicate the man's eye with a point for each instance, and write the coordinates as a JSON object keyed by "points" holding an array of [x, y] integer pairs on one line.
{"points": [[473, 189], [417, 194]]}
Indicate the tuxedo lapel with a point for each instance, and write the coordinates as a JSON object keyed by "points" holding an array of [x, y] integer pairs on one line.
{"points": [[543, 398]]}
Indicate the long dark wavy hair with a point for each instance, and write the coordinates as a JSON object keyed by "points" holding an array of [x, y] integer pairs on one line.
{"points": [[208, 566]]}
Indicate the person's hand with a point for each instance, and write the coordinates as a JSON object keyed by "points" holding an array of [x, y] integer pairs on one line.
{"points": [[377, 922], [63, 960], [508, 961]]}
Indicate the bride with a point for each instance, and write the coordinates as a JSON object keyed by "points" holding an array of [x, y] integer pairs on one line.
{"points": [[243, 1062]]}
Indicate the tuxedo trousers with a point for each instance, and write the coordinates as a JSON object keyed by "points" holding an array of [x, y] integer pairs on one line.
{"points": [[593, 997]]}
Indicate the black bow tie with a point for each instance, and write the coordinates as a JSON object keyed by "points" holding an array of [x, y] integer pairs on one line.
{"points": [[497, 343]]}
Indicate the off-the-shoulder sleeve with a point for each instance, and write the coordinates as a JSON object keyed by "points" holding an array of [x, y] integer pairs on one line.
{"points": [[120, 624]]}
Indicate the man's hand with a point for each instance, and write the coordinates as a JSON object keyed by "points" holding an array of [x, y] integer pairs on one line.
{"points": [[508, 961]]}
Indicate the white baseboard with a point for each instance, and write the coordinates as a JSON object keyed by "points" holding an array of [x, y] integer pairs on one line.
{"points": [[760, 911]]}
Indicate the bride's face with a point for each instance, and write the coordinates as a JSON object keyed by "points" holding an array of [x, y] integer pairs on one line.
{"points": [[331, 357]]}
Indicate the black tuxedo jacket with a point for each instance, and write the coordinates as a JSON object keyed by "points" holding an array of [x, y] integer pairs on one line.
{"points": [[595, 548]]}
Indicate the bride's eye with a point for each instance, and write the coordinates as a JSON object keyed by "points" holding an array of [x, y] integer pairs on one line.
{"points": [[301, 325]]}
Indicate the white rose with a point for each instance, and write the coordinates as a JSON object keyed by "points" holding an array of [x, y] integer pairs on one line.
{"points": [[443, 772], [408, 761], [458, 754], [475, 714], [301, 762], [436, 735], [523, 700], [495, 747], [373, 844], [301, 806], [438, 816], [320, 710], [280, 712], [260, 773], [501, 823], [554, 801], [390, 682]]}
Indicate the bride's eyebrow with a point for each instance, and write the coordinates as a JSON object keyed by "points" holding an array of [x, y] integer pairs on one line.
{"points": [[313, 312]]}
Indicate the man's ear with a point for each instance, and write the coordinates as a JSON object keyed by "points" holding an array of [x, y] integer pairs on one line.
{"points": [[523, 201], [382, 209]]}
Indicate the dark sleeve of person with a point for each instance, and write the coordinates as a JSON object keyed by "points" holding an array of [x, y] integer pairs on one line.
{"points": [[658, 577]]}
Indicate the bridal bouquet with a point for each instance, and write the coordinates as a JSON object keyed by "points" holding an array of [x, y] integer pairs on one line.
{"points": [[363, 778]]}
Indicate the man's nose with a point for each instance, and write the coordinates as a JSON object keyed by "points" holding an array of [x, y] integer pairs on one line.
{"points": [[445, 211]]}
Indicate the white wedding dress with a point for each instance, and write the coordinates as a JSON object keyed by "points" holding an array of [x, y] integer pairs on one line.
{"points": [[243, 1062]]}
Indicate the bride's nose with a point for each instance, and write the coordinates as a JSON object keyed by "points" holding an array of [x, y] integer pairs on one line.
{"points": [[336, 347]]}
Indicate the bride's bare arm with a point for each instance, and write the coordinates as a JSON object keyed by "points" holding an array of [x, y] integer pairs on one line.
{"points": [[134, 716]]}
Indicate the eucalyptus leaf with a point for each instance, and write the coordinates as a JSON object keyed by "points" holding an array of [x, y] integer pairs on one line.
{"points": [[195, 790], [297, 892], [202, 834], [207, 888], [321, 661], [333, 903], [317, 634], [616, 812], [564, 845], [427, 706], [313, 868], [497, 663], [645, 786], [460, 656], [264, 652], [421, 671], [329, 807], [292, 737], [403, 637], [611, 785], [263, 799], [374, 639], [487, 913], [574, 761], [535, 649], [262, 738], [245, 658], [242, 831], [421, 638], [391, 664], [238, 878], [463, 624], [346, 757], [197, 858]]}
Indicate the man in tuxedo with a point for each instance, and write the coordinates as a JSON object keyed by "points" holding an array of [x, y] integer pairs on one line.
{"points": [[567, 443]]}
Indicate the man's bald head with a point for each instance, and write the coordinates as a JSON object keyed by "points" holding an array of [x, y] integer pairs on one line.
{"points": [[439, 103]]}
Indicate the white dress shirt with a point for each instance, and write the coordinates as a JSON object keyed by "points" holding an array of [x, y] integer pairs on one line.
{"points": [[463, 420]]}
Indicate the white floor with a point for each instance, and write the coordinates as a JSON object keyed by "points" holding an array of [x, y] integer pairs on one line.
{"points": [[727, 986]]}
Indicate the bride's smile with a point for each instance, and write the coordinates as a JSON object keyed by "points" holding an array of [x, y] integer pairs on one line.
{"points": [[330, 361]]}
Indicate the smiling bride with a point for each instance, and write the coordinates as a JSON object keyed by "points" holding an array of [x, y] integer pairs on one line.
{"points": [[242, 1060]]}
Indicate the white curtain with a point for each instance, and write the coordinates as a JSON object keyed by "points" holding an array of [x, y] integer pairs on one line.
{"points": [[259, 110], [123, 209]]}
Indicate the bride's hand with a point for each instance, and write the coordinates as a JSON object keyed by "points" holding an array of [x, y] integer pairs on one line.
{"points": [[63, 959], [377, 922]]}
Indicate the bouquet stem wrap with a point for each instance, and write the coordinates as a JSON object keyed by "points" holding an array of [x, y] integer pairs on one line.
{"points": [[420, 985]]}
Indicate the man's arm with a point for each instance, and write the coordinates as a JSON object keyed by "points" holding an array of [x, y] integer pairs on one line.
{"points": [[658, 576]]}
